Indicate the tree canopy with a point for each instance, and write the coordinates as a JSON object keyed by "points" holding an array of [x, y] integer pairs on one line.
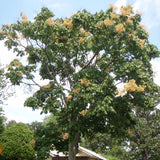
{"points": [[84, 57], [17, 143]]}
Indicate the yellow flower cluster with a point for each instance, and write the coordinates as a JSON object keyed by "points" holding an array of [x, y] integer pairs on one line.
{"points": [[69, 98], [68, 23], [76, 90], [9, 36], [126, 10], [85, 82], [108, 22], [86, 34], [32, 142], [100, 24], [9, 66], [48, 86], [130, 132], [141, 26], [130, 19], [113, 15], [142, 42], [131, 86], [80, 40], [84, 112], [120, 28], [2, 32], [24, 18], [65, 136], [16, 63], [20, 74], [50, 22], [113, 6]]}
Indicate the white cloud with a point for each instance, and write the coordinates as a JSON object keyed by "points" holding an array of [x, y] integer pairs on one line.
{"points": [[55, 5], [14, 107], [150, 11], [5, 55], [156, 69], [120, 3]]}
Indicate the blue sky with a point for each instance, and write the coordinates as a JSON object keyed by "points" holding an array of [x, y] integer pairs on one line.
{"points": [[10, 13]]}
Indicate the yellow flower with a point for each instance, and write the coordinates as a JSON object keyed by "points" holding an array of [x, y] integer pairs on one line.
{"points": [[142, 42], [32, 142], [16, 63], [100, 24], [48, 86], [131, 86], [126, 10], [59, 23], [141, 26], [85, 82], [112, 6], [113, 15], [9, 36], [20, 74], [141, 88], [24, 18], [65, 136], [129, 20], [50, 22], [9, 66], [69, 98], [108, 22], [80, 40], [84, 112], [76, 90], [68, 23], [130, 132], [2, 32], [86, 34], [120, 28]]}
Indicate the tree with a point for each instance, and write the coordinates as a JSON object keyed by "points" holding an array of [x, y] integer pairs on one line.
{"points": [[45, 135], [17, 144], [144, 138], [84, 57], [2, 119], [3, 96]]}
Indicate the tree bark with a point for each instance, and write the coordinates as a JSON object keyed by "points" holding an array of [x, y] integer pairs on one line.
{"points": [[144, 154], [73, 147], [72, 151]]}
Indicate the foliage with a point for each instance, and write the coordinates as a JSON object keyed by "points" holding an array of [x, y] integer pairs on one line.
{"points": [[16, 144], [45, 135], [111, 157], [2, 119], [4, 93], [106, 145], [11, 123], [144, 138], [83, 58]]}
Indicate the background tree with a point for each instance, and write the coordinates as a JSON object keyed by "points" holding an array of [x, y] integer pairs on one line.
{"points": [[17, 144], [144, 138], [2, 119], [45, 135], [84, 57], [105, 144]]}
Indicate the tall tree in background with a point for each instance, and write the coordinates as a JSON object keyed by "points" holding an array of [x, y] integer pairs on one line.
{"points": [[144, 138], [3, 95], [2, 119], [84, 57]]}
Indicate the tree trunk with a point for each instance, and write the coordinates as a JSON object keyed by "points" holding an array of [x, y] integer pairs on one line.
{"points": [[73, 147], [144, 154], [72, 151]]}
